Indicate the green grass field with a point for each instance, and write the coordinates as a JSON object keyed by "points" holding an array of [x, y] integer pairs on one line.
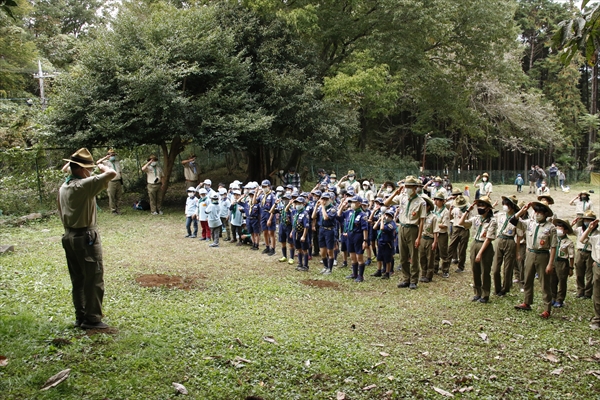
{"points": [[332, 338]]}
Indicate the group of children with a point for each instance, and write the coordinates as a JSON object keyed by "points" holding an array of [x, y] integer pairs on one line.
{"points": [[428, 225]]}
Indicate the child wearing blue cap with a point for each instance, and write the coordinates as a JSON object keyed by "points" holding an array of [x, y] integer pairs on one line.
{"points": [[519, 182]]}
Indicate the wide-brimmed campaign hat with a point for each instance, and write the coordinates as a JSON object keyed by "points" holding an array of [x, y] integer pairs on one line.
{"points": [[428, 201], [542, 206], [565, 224], [412, 181], [82, 157], [439, 195], [485, 200], [513, 202], [546, 197], [460, 201]]}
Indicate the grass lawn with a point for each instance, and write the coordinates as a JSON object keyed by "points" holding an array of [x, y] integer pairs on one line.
{"points": [[326, 337]]}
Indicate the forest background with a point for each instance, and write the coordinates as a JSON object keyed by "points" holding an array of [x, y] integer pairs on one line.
{"points": [[261, 85]]}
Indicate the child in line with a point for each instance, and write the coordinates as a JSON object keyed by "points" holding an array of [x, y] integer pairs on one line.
{"points": [[563, 266], [519, 182], [191, 208], [236, 216], [202, 217], [214, 220], [224, 204]]}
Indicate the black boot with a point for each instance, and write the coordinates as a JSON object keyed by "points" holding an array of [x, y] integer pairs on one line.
{"points": [[361, 271]]}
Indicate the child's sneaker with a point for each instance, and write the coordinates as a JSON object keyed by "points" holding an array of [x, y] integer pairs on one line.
{"points": [[283, 259]]}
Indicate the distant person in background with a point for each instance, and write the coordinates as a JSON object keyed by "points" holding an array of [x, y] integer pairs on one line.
{"points": [[543, 189], [519, 182], [115, 187], [582, 203], [561, 179], [289, 178], [191, 171], [533, 177], [541, 176], [154, 176], [484, 188], [553, 174]]}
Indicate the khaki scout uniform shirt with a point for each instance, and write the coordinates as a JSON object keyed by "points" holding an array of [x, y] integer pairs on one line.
{"points": [[538, 236], [411, 210], [485, 188], [583, 246], [435, 190], [565, 249], [367, 195], [594, 241], [484, 228], [456, 215], [429, 225], [188, 172], [442, 218], [354, 184], [582, 206], [77, 200], [152, 173], [116, 165], [505, 228]]}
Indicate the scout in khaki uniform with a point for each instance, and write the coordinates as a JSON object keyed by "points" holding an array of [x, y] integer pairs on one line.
{"points": [[191, 170], [81, 241], [584, 273], [154, 176], [441, 230], [115, 187], [563, 264], [482, 250], [591, 234], [506, 247], [519, 273], [351, 182], [582, 203], [485, 187], [428, 243], [549, 201], [411, 213], [459, 239], [540, 236]]}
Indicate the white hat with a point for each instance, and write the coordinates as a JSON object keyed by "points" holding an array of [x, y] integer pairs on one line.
{"points": [[279, 189], [214, 196], [207, 182], [237, 192], [222, 191], [191, 189], [237, 182], [202, 191], [366, 183]]}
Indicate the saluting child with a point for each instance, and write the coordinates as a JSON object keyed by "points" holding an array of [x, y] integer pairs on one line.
{"points": [[563, 265], [428, 243]]}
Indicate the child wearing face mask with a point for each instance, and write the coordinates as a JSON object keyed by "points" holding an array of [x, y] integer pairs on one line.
{"points": [[540, 236], [563, 265], [213, 212], [543, 189], [459, 238], [506, 247], [584, 273], [484, 188], [482, 250], [582, 203], [428, 243], [191, 209], [386, 234], [300, 227]]}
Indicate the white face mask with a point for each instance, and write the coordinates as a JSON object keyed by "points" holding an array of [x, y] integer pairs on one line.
{"points": [[560, 232], [543, 185], [539, 217], [266, 190], [410, 191], [484, 179], [505, 208], [299, 207], [191, 194], [112, 158], [388, 189], [153, 164]]}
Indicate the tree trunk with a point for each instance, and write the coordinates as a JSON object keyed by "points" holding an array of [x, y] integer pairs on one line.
{"points": [[258, 163], [593, 111], [169, 156]]}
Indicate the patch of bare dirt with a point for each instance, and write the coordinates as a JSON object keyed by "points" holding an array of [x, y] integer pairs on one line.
{"points": [[320, 284], [168, 281], [108, 331]]}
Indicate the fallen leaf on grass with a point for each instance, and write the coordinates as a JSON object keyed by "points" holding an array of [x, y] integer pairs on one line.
{"points": [[446, 322], [378, 364], [484, 337], [212, 357], [383, 354], [270, 339], [596, 373], [493, 377], [391, 378], [425, 354], [307, 363], [373, 386], [180, 388], [443, 392], [3, 361], [378, 344], [550, 357], [240, 359], [557, 371], [466, 389], [56, 379], [340, 396], [592, 341], [240, 342]]}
